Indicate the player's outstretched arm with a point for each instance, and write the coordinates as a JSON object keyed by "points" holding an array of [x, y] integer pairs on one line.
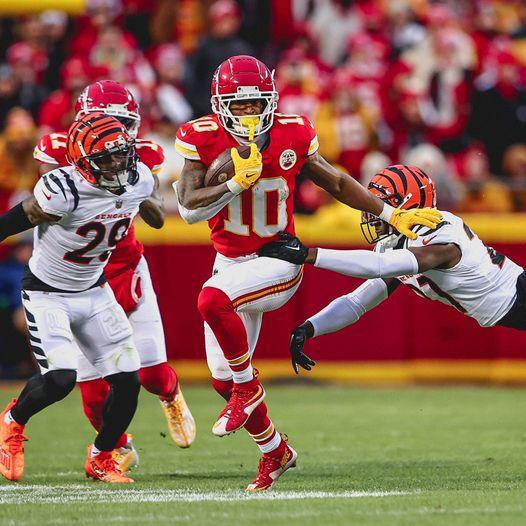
{"points": [[364, 263], [340, 313], [152, 209], [22, 217], [352, 193]]}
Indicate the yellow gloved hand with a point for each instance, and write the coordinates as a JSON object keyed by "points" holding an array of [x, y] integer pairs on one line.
{"points": [[405, 220], [247, 170]]}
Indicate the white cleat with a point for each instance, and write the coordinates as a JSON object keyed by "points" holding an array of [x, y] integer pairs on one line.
{"points": [[127, 456], [181, 423]]}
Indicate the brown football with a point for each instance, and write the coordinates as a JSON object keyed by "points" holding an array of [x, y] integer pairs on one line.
{"points": [[222, 167]]}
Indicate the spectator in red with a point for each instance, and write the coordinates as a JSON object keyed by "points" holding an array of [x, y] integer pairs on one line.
{"points": [[101, 15], [345, 126], [367, 68], [484, 192], [223, 42], [300, 92], [29, 53], [169, 101], [57, 112], [116, 59], [447, 108]]}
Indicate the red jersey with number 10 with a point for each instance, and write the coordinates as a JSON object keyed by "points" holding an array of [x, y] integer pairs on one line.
{"points": [[256, 215], [51, 149]]}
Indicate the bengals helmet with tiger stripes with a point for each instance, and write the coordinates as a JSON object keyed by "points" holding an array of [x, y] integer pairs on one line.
{"points": [[102, 150], [401, 186]]}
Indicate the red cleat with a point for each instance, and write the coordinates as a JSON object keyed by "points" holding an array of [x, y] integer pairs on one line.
{"points": [[244, 399], [103, 466], [12, 440], [271, 467]]}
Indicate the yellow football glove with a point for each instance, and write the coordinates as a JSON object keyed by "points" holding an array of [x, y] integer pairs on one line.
{"points": [[405, 220], [247, 170]]}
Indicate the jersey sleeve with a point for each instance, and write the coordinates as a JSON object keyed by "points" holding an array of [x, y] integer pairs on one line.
{"points": [[446, 232], [53, 194], [312, 138], [187, 142], [151, 154], [51, 149]]}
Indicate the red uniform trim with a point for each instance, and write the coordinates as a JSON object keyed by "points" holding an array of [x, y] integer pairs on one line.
{"points": [[267, 291]]}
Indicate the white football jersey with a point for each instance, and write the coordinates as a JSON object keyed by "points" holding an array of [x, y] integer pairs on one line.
{"points": [[482, 284], [71, 253]]}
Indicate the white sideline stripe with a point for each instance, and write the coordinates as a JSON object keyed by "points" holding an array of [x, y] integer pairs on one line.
{"points": [[36, 494]]}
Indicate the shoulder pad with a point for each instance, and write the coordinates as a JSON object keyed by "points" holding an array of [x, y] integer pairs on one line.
{"points": [[193, 135], [51, 149], [151, 154]]}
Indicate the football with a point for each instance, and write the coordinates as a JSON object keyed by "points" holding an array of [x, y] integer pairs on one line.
{"points": [[222, 167]]}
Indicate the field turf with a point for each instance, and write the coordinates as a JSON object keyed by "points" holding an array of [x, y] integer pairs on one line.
{"points": [[416, 456]]}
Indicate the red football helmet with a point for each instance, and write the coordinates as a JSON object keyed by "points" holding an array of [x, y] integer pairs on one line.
{"points": [[102, 151], [242, 78], [401, 186], [113, 99]]}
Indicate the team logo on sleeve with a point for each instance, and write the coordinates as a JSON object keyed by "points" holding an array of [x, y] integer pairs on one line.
{"points": [[287, 159]]}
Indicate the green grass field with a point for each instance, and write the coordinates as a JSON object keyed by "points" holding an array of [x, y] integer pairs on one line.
{"points": [[416, 456]]}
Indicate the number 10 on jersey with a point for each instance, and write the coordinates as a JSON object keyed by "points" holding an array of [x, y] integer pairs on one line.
{"points": [[259, 223]]}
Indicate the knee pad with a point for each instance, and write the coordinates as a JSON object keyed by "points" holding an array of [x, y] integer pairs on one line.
{"points": [[124, 359], [212, 302], [59, 383], [223, 387], [125, 382]]}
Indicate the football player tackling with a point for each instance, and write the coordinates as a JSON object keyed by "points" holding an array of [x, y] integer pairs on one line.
{"points": [[81, 212], [128, 275], [449, 264], [244, 213]]}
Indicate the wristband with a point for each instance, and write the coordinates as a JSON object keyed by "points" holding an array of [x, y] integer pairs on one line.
{"points": [[234, 187], [386, 213]]}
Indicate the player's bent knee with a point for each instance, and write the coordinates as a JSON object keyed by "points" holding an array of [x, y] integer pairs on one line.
{"points": [[123, 359], [212, 302], [59, 383]]}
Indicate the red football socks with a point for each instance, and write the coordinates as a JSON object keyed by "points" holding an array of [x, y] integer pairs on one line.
{"points": [[160, 380], [217, 310]]}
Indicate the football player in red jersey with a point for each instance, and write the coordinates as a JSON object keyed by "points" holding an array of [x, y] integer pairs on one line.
{"points": [[245, 213], [128, 275]]}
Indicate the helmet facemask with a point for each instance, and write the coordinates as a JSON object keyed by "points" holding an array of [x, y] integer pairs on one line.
{"points": [[112, 168], [247, 126], [375, 229]]}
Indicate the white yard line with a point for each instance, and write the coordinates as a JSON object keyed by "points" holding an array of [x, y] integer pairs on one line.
{"points": [[37, 494]]}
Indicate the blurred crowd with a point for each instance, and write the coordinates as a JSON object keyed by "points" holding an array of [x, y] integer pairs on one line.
{"points": [[439, 84]]}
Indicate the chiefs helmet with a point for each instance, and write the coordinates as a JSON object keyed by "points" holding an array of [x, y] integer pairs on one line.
{"points": [[113, 99], [401, 186], [102, 150], [244, 78]]}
